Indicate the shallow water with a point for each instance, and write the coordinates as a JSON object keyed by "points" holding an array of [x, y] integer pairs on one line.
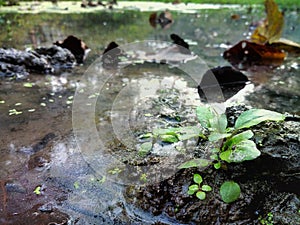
{"points": [[41, 147]]}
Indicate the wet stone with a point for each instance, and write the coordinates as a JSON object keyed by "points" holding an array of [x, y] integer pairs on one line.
{"points": [[15, 186], [42, 60], [57, 56]]}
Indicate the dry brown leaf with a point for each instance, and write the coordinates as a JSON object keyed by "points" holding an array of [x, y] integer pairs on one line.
{"points": [[270, 30], [287, 46], [249, 53]]}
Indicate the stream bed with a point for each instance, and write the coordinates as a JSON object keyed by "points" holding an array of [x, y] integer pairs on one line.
{"points": [[69, 142]]}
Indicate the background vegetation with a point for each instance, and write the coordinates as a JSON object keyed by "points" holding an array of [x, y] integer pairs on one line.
{"points": [[286, 3]]}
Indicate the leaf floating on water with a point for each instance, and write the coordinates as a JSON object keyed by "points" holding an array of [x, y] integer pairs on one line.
{"points": [[14, 112], [270, 30], [28, 85]]}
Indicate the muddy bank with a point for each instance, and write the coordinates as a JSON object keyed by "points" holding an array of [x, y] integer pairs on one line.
{"points": [[269, 184]]}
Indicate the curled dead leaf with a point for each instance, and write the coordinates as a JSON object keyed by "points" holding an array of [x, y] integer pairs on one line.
{"points": [[248, 53], [286, 45], [270, 30]]}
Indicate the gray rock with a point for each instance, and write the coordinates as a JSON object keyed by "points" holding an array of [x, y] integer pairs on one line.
{"points": [[41, 60]]}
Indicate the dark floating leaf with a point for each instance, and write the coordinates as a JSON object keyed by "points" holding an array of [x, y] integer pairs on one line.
{"points": [[153, 20], [111, 46], [164, 19], [229, 80], [110, 57], [179, 41], [247, 53], [76, 46]]}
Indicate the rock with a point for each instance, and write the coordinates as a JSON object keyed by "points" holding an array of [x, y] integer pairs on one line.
{"points": [[59, 58], [30, 60], [41, 60], [10, 70]]}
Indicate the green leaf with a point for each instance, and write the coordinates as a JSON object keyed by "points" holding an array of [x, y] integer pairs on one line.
{"points": [[194, 163], [147, 135], [253, 117], [245, 150], [217, 136], [185, 133], [160, 131], [193, 188], [169, 138], [190, 192], [181, 133], [214, 157], [230, 191], [206, 187], [28, 85], [76, 185], [201, 195], [204, 115], [225, 156], [145, 148], [37, 190], [237, 138], [217, 165], [219, 123], [197, 178]]}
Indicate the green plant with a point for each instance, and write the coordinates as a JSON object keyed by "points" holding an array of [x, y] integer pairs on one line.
{"points": [[268, 220], [230, 191], [198, 188], [234, 144]]}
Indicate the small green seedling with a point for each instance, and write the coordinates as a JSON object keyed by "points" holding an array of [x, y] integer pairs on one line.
{"points": [[268, 220], [37, 190], [115, 171], [76, 184], [143, 177], [197, 188]]}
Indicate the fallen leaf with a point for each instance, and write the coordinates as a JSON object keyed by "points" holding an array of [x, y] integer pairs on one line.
{"points": [[228, 79], [270, 30], [248, 53], [286, 45]]}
